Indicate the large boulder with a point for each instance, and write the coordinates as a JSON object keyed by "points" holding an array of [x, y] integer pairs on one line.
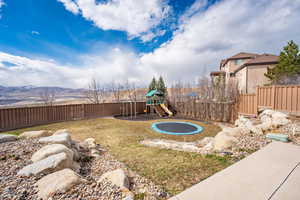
{"points": [[223, 141], [34, 134], [236, 131], [208, 148], [63, 138], [57, 182], [89, 143], [204, 141], [247, 126], [116, 177], [267, 112], [274, 117], [60, 131], [50, 150], [243, 122], [279, 119], [265, 126], [266, 119], [7, 138], [50, 164]]}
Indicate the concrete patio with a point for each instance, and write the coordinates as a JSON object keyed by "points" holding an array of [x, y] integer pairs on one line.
{"points": [[272, 173]]}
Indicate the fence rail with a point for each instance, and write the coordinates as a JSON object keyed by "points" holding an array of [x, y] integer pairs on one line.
{"points": [[13, 118], [282, 98]]}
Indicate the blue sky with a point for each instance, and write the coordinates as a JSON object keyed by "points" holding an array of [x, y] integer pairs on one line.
{"points": [[68, 42], [46, 29]]}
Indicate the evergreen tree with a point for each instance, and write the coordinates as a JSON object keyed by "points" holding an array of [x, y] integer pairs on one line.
{"points": [[288, 65], [161, 86], [152, 85]]}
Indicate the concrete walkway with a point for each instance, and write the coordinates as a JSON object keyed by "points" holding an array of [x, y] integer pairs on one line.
{"points": [[271, 173]]}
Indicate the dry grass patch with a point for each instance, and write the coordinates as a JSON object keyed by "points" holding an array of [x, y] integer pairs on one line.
{"points": [[173, 170]]}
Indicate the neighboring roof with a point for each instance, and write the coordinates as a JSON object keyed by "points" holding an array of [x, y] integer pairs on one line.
{"points": [[217, 73], [152, 93], [264, 59], [241, 55]]}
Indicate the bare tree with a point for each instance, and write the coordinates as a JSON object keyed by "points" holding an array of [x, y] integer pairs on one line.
{"points": [[95, 93], [116, 89], [130, 90], [48, 96], [204, 88]]}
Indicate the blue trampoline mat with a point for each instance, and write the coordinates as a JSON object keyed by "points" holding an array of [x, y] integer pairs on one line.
{"points": [[177, 128]]}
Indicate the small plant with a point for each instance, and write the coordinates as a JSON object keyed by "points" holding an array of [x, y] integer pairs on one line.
{"points": [[140, 196]]}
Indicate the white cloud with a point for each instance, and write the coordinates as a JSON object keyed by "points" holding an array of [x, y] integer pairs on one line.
{"points": [[70, 6], [1, 4], [35, 33], [225, 29], [136, 17], [203, 40], [116, 64]]}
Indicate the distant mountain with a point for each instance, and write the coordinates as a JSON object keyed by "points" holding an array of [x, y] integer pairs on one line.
{"points": [[31, 95], [30, 90]]}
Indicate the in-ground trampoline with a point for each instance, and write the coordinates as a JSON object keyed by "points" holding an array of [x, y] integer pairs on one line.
{"points": [[177, 128]]}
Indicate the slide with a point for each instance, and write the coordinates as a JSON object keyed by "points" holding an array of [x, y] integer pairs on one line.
{"points": [[159, 110], [164, 107]]}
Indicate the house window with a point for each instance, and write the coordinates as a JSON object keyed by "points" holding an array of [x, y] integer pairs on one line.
{"points": [[238, 62]]}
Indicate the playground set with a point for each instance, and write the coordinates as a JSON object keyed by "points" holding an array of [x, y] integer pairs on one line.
{"points": [[155, 104]]}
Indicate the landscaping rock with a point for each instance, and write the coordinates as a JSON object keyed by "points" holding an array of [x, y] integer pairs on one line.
{"points": [[95, 153], [116, 177], [57, 182], [266, 119], [243, 122], [267, 112], [223, 141], [34, 134], [279, 120], [50, 164], [50, 150], [63, 138], [89, 143], [274, 117], [60, 131], [208, 148], [127, 195], [236, 131], [204, 141], [7, 138], [265, 126], [171, 144]]}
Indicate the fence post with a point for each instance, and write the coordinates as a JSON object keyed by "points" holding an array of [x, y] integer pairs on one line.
{"points": [[82, 111], [256, 104], [273, 96]]}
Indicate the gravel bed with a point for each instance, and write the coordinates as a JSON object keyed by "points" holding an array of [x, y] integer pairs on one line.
{"points": [[293, 130], [13, 157], [16, 155], [248, 143]]}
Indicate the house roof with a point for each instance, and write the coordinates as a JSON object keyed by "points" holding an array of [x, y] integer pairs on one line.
{"points": [[217, 73], [264, 59], [241, 55], [152, 93]]}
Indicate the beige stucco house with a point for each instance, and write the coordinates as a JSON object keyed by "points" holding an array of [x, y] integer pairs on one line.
{"points": [[246, 69]]}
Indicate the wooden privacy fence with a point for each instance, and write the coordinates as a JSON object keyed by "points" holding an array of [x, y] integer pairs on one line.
{"points": [[206, 111], [285, 98], [13, 118]]}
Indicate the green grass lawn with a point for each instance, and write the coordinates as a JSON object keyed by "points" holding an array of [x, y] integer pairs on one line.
{"points": [[173, 170]]}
